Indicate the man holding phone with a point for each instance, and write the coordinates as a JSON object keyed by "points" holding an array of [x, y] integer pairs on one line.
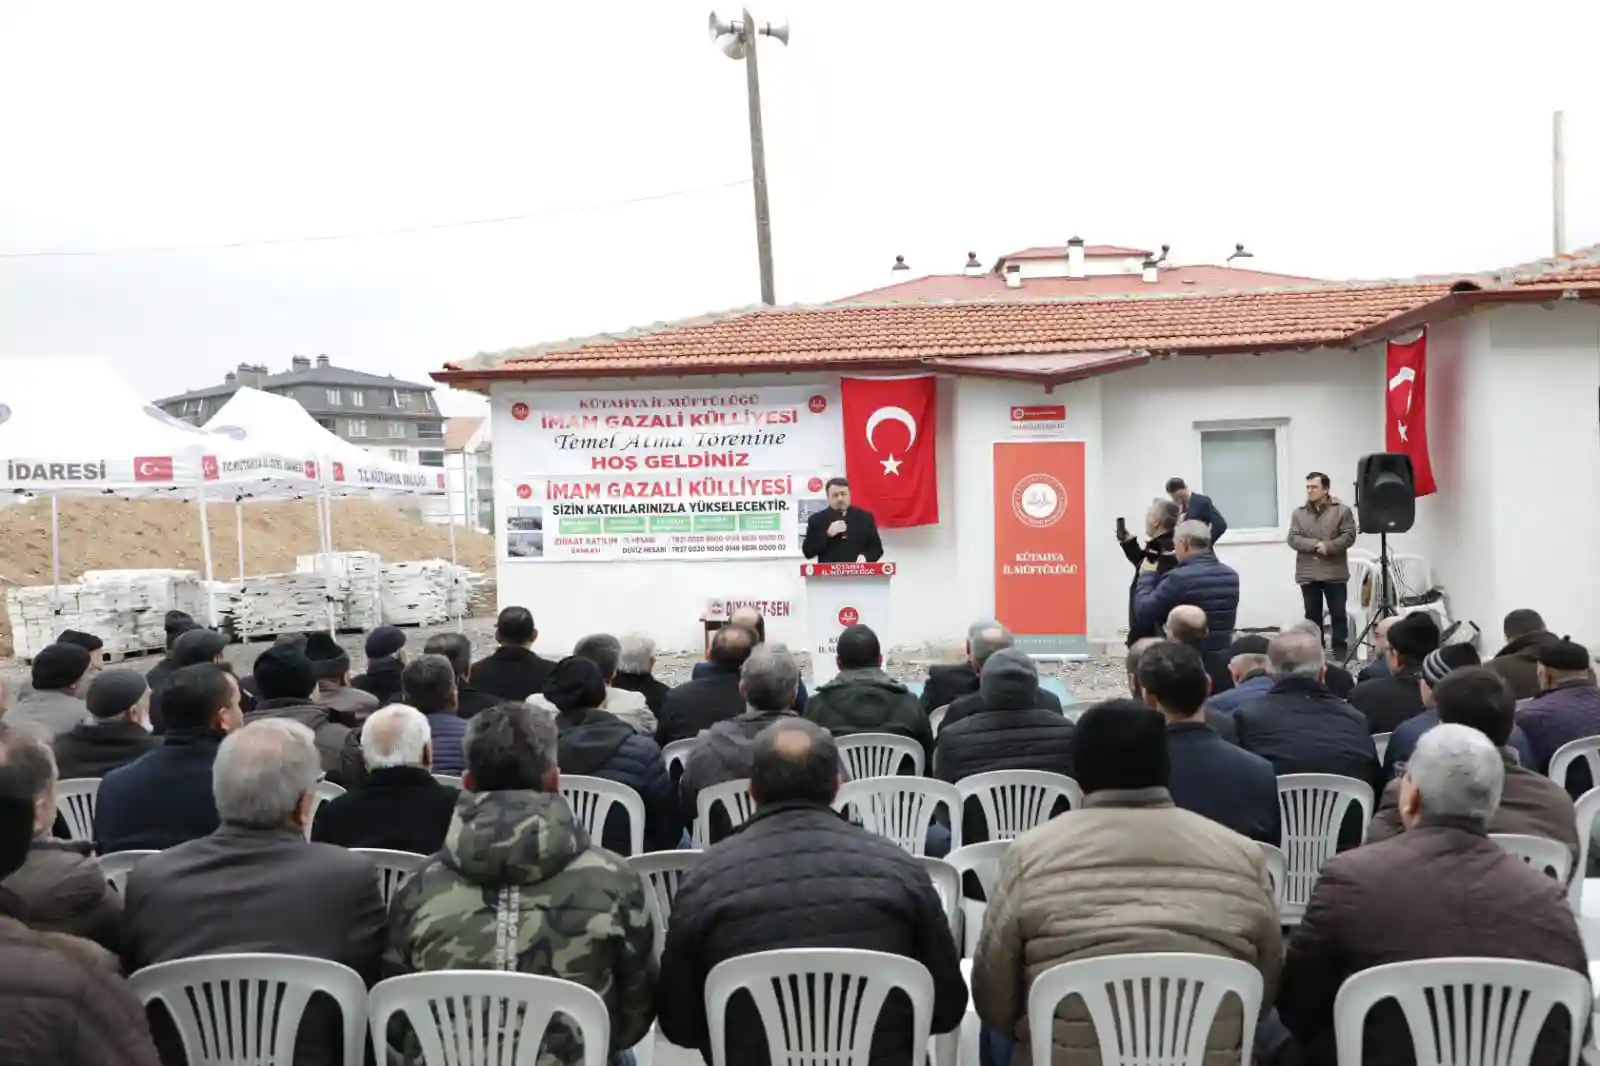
{"points": [[1157, 554], [842, 534]]}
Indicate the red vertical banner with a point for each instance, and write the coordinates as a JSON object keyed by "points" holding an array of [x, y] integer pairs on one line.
{"points": [[1040, 584], [1406, 408]]}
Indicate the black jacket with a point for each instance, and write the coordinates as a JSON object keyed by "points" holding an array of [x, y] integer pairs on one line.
{"points": [[972, 703], [401, 808], [1388, 701], [593, 743], [1202, 580], [860, 537], [699, 704], [646, 685], [94, 749], [797, 875], [946, 684], [1223, 782], [512, 673], [382, 679], [1157, 551], [161, 798], [470, 699], [1026, 739], [1201, 509]]}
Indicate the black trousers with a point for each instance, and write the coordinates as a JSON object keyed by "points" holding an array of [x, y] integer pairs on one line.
{"points": [[1314, 593]]}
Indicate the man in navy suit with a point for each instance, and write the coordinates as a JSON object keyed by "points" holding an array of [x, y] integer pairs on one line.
{"points": [[1193, 507]]}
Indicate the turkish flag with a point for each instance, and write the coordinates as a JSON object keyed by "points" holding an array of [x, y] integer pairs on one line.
{"points": [[1406, 405], [889, 433]]}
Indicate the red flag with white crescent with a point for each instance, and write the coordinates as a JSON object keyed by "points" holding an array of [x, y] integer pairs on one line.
{"points": [[1406, 408], [889, 440]]}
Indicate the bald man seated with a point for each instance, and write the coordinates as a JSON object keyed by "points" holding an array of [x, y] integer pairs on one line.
{"points": [[1186, 624]]}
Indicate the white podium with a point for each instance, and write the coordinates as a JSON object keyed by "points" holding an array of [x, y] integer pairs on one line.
{"points": [[840, 595]]}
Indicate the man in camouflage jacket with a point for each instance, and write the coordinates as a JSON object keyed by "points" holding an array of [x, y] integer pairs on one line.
{"points": [[520, 887]]}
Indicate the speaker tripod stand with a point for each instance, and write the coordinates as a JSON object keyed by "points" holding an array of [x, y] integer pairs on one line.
{"points": [[1384, 608]]}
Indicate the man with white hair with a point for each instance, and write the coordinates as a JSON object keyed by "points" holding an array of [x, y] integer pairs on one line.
{"points": [[399, 806], [257, 884], [1334, 675], [1441, 889], [1200, 578], [636, 671]]}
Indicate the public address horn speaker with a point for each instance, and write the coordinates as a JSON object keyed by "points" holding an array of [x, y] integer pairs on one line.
{"points": [[1386, 493]]}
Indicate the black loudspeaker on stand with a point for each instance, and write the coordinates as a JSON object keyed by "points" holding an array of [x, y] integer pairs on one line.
{"points": [[1386, 502]]}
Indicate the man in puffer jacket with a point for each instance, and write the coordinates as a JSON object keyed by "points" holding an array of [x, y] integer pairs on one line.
{"points": [[519, 886], [596, 743], [864, 699], [285, 680], [605, 651], [1199, 579]]}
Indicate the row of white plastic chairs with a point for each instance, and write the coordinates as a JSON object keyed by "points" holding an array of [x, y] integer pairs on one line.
{"points": [[233, 1010]]}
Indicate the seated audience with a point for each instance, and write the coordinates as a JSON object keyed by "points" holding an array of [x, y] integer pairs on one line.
{"points": [[1187, 625], [385, 649], [1156, 554], [174, 624], [60, 887], [635, 671], [399, 806], [59, 675], [87, 641], [513, 671], [984, 643], [198, 645], [753, 620], [1441, 889], [257, 884], [1221, 724], [1567, 709], [1334, 676], [116, 731], [949, 681], [1518, 662], [596, 743], [1129, 872], [1247, 670], [61, 997], [349, 705], [1208, 775], [519, 886], [864, 699], [1378, 666], [1530, 803], [1388, 701], [1200, 579], [702, 702], [285, 682], [1438, 665], [799, 876], [428, 683], [1299, 726], [630, 708], [458, 649], [164, 796]]}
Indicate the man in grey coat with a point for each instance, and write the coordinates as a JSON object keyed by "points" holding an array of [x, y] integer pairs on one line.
{"points": [[1322, 532], [60, 676]]}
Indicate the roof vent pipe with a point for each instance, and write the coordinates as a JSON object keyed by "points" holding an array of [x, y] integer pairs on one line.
{"points": [[974, 269], [1075, 258]]}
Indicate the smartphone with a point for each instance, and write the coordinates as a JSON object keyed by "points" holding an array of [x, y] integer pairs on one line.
{"points": [[1122, 529]]}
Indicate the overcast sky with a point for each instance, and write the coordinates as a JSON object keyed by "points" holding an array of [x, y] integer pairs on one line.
{"points": [[1364, 140]]}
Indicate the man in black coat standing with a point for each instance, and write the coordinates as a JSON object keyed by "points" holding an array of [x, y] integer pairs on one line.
{"points": [[1193, 507], [799, 875], [514, 671], [842, 534]]}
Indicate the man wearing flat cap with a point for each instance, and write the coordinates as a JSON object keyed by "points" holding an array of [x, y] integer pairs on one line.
{"points": [[386, 657], [1567, 709], [115, 733], [56, 703]]}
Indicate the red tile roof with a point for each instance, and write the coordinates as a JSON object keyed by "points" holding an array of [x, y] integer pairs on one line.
{"points": [[993, 286]]}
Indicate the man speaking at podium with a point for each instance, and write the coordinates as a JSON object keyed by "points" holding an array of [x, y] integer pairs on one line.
{"points": [[842, 534]]}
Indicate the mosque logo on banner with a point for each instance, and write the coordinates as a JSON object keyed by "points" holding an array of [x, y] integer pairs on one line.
{"points": [[1039, 500]]}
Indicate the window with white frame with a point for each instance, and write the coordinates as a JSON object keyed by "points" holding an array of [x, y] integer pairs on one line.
{"points": [[400, 455], [1240, 468], [335, 398], [397, 429], [355, 428], [358, 398]]}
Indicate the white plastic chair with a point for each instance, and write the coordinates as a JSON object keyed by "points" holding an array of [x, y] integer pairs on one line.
{"points": [[1155, 1008], [448, 779], [1380, 741], [1542, 853], [591, 799], [473, 1017], [936, 719], [116, 867], [244, 1010], [1015, 801], [1277, 871], [983, 862], [75, 799], [902, 808], [1313, 807], [394, 868], [947, 883], [1588, 806], [325, 791], [732, 796], [819, 1005], [662, 872], [677, 754], [1465, 1011], [879, 755], [1585, 748]]}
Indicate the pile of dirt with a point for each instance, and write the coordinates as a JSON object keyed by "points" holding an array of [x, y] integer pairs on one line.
{"points": [[117, 534]]}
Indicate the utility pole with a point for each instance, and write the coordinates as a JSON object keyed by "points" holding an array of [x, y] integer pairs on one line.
{"points": [[1558, 182], [738, 41]]}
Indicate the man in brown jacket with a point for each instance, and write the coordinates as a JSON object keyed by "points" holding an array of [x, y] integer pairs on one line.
{"points": [[1129, 872], [1441, 889], [1530, 803], [1518, 662], [1322, 532]]}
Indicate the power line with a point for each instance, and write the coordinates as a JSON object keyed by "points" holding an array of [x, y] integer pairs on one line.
{"points": [[397, 231]]}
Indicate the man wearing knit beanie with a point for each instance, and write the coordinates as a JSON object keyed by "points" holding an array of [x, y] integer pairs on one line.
{"points": [[1567, 709], [117, 731], [56, 704], [286, 680], [1102, 881], [1388, 701]]}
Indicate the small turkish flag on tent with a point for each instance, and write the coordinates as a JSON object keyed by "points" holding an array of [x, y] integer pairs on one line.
{"points": [[889, 435], [1406, 404]]}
